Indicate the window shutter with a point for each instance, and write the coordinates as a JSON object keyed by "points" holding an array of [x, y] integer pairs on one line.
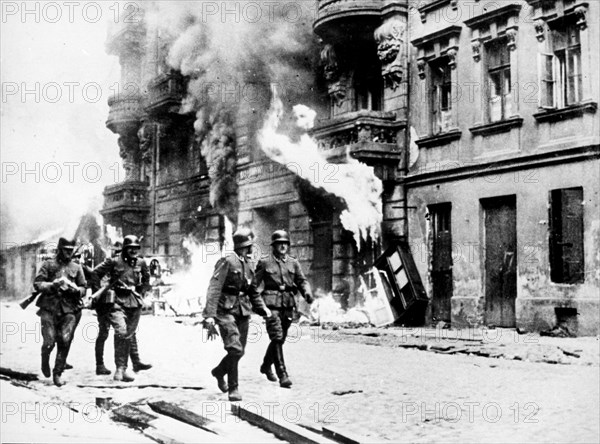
{"points": [[572, 235], [546, 79]]}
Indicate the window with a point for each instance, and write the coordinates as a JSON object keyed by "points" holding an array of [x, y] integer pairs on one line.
{"points": [[163, 238], [441, 95], [498, 78], [368, 88], [566, 235], [560, 69]]}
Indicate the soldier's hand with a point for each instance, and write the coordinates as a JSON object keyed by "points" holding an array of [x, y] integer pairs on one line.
{"points": [[268, 313], [211, 330]]}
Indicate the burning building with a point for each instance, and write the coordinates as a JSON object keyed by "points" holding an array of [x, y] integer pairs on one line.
{"points": [[215, 120]]}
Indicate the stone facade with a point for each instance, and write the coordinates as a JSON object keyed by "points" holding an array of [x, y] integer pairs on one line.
{"points": [[508, 151]]}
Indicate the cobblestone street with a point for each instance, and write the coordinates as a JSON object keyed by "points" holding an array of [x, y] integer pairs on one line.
{"points": [[382, 393]]}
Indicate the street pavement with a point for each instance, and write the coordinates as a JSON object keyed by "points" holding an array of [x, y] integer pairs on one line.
{"points": [[359, 383]]}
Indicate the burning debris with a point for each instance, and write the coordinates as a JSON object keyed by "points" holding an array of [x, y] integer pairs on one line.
{"points": [[353, 181]]}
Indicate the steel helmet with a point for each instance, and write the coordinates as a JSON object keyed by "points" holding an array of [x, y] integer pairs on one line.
{"points": [[242, 238], [280, 236], [131, 241], [66, 244]]}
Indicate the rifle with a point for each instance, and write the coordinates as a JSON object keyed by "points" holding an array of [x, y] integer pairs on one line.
{"points": [[29, 299]]}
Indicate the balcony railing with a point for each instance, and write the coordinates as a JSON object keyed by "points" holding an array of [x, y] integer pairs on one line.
{"points": [[166, 92], [369, 136], [127, 196], [125, 111]]}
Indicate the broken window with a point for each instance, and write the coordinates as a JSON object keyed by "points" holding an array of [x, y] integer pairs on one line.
{"points": [[566, 235]]}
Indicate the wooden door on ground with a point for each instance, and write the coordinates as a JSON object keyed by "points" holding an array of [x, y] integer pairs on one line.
{"points": [[500, 253], [441, 273], [322, 265]]}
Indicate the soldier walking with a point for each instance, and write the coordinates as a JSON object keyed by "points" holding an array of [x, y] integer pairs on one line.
{"points": [[278, 278], [103, 309], [129, 278], [62, 284], [229, 303]]}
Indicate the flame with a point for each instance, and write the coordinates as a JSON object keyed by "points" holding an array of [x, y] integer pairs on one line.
{"points": [[353, 181], [185, 291]]}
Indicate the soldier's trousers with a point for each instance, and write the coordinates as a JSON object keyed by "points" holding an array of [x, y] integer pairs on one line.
{"points": [[103, 315], [59, 329], [234, 332], [124, 321], [278, 325]]}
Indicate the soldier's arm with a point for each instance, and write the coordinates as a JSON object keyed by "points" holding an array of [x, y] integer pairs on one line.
{"points": [[80, 281], [104, 268], [215, 288], [302, 283], [145, 284], [42, 280], [256, 288]]}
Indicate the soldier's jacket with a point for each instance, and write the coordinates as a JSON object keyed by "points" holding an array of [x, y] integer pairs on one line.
{"points": [[278, 280], [133, 273], [228, 289], [54, 299]]}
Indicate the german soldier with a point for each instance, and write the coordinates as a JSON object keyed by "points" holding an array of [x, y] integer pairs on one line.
{"points": [[229, 304], [62, 284], [279, 277], [103, 310], [129, 277]]}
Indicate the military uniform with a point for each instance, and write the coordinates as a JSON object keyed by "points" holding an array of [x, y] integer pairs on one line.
{"points": [[230, 304], [124, 313], [279, 279], [59, 309]]}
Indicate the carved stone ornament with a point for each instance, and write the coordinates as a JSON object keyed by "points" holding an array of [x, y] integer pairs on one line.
{"points": [[330, 65], [451, 53], [337, 82], [128, 150], [581, 12], [476, 47], [338, 90], [540, 30], [390, 38], [421, 67], [146, 137], [511, 34]]}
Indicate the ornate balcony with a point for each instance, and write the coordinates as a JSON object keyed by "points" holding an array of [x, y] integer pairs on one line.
{"points": [[126, 197], [368, 136], [166, 92], [346, 16], [125, 113]]}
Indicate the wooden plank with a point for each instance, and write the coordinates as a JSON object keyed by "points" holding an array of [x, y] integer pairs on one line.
{"points": [[18, 375], [341, 437], [287, 432], [181, 414], [140, 386], [132, 415]]}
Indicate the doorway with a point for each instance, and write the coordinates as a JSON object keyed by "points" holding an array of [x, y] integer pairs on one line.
{"points": [[441, 267], [500, 253]]}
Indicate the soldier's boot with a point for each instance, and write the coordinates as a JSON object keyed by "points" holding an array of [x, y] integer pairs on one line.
{"points": [[221, 383], [102, 370], [121, 374], [46, 363], [234, 395], [265, 368], [68, 366], [134, 354], [284, 380], [232, 378], [57, 380]]}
